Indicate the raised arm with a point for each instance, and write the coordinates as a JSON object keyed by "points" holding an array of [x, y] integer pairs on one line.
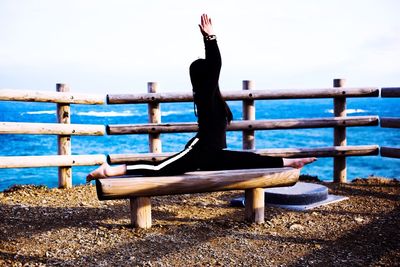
{"points": [[213, 56]]}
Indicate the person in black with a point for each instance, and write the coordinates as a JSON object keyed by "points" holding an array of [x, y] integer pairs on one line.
{"points": [[207, 149]]}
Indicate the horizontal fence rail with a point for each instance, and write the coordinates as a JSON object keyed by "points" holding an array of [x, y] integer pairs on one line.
{"points": [[246, 125], [390, 152], [51, 128], [246, 95], [51, 161], [51, 97], [390, 92], [387, 122], [275, 152]]}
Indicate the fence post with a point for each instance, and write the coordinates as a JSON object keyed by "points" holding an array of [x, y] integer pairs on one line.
{"points": [[339, 163], [141, 206], [64, 141], [249, 113], [154, 117]]}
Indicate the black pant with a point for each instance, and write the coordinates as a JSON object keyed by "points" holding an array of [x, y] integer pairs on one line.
{"points": [[194, 158]]}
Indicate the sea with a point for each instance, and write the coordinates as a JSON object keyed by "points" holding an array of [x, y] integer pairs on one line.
{"points": [[36, 145]]}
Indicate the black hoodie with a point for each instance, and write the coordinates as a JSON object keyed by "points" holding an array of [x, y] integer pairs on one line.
{"points": [[212, 111]]}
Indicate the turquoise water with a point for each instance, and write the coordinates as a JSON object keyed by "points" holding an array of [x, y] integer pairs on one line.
{"points": [[25, 145]]}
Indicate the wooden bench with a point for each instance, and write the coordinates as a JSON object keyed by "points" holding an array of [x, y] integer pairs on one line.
{"points": [[140, 189]]}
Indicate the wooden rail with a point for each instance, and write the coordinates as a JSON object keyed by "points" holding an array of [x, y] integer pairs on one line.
{"points": [[246, 95], [390, 122], [194, 182], [390, 152], [247, 125], [51, 128], [390, 92], [339, 151], [50, 97], [51, 161]]}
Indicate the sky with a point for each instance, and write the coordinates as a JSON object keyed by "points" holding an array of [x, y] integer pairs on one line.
{"points": [[109, 47]]}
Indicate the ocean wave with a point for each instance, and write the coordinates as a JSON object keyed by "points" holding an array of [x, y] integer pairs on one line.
{"points": [[40, 112], [175, 112], [124, 113], [350, 110]]}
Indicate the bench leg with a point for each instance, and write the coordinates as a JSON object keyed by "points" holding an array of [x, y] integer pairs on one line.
{"points": [[140, 212], [254, 209]]}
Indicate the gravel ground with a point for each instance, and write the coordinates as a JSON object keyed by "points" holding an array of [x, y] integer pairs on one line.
{"points": [[52, 227]]}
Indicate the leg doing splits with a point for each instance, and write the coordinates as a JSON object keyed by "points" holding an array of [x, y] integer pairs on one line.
{"points": [[106, 170]]}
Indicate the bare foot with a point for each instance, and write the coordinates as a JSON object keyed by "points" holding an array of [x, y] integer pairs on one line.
{"points": [[298, 163], [100, 172]]}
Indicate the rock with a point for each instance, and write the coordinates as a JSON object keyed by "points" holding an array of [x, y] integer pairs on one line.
{"points": [[359, 219], [296, 227]]}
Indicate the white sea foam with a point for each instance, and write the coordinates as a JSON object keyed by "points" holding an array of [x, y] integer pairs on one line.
{"points": [[124, 113], [40, 112], [175, 112], [350, 110]]}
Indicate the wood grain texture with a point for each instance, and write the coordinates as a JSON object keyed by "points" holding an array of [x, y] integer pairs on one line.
{"points": [[254, 205], [64, 141], [50, 97], [51, 128], [51, 161], [154, 116], [247, 125], [140, 212], [249, 113], [277, 93], [195, 182], [339, 134]]}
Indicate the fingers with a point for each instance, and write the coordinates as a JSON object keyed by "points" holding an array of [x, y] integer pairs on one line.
{"points": [[205, 20], [205, 25]]}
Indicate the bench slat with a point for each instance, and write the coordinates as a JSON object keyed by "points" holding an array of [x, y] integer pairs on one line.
{"points": [[195, 182]]}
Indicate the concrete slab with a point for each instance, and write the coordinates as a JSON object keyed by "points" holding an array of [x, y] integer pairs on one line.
{"points": [[299, 194], [302, 196]]}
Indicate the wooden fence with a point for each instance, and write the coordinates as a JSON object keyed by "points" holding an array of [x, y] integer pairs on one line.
{"points": [[392, 152], [339, 151], [63, 129]]}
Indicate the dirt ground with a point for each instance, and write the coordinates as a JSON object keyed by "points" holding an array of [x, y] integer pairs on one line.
{"points": [[52, 227]]}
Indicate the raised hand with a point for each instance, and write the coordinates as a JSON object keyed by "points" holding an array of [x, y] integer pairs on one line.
{"points": [[206, 27]]}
